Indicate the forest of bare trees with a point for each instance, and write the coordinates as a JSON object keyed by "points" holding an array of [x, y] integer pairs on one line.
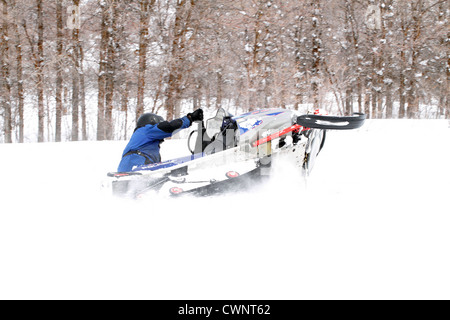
{"points": [[85, 70]]}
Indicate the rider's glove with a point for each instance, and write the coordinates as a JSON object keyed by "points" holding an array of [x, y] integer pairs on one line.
{"points": [[197, 115]]}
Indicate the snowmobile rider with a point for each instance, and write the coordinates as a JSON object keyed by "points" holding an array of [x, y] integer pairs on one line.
{"points": [[151, 129]]}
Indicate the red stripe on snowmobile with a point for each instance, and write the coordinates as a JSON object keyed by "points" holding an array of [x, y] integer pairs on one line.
{"points": [[123, 174], [294, 128]]}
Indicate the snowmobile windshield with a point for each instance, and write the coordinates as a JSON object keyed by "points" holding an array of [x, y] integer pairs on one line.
{"points": [[214, 124]]}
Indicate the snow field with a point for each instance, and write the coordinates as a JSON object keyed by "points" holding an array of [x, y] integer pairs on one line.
{"points": [[371, 222]]}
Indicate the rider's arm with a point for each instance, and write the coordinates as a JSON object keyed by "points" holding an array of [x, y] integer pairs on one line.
{"points": [[173, 125], [165, 129]]}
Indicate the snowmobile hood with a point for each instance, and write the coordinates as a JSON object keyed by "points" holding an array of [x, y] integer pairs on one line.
{"points": [[260, 122]]}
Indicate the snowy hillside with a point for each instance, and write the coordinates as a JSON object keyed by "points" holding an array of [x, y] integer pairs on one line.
{"points": [[372, 222]]}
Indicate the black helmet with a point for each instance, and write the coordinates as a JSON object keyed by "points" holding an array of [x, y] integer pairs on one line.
{"points": [[148, 118]]}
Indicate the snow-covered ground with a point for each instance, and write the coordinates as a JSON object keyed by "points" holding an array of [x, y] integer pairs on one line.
{"points": [[372, 222]]}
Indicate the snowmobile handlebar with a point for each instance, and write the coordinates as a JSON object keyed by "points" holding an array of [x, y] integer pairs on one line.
{"points": [[332, 122]]}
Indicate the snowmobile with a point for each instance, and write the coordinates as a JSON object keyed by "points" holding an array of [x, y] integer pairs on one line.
{"points": [[232, 152]]}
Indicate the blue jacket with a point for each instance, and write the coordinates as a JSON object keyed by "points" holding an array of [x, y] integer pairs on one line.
{"points": [[146, 141]]}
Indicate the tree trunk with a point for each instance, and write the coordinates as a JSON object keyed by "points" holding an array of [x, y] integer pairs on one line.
{"points": [[182, 25], [111, 72], [374, 82], [59, 76], [101, 79], [355, 60], [389, 104], [219, 74], [367, 103], [39, 69], [412, 98], [124, 105], [401, 91], [299, 68], [360, 100], [159, 92], [5, 70], [403, 65], [197, 95], [348, 102], [445, 83], [316, 53], [374, 104], [447, 91], [143, 46], [75, 88], [447, 106], [219, 89], [84, 136], [174, 73], [75, 79], [20, 89], [380, 105], [208, 95], [266, 70], [387, 26]]}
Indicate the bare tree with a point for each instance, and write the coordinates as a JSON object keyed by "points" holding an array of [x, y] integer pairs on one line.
{"points": [[19, 73], [316, 50], [84, 135], [183, 32], [39, 69], [5, 72], [59, 73], [101, 78], [75, 57], [145, 8], [110, 68]]}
